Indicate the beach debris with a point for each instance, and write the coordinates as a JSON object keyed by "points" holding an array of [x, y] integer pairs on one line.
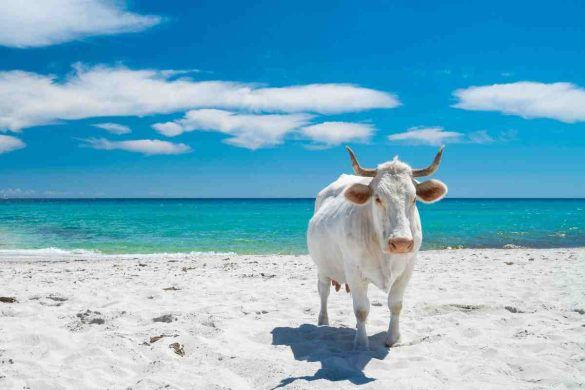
{"points": [[154, 339], [512, 246], [178, 349], [172, 288], [7, 299], [56, 298], [164, 318], [49, 300], [141, 265], [513, 309], [466, 307], [508, 262]]}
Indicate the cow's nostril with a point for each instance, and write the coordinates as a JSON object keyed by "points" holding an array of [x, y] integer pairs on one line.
{"points": [[400, 245]]}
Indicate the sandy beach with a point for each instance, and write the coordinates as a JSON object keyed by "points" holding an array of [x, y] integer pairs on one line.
{"points": [[488, 319]]}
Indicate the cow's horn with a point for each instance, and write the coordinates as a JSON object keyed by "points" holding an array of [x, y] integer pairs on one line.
{"points": [[431, 168], [356, 166]]}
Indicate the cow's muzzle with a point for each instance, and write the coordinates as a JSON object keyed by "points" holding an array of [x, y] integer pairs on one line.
{"points": [[400, 245]]}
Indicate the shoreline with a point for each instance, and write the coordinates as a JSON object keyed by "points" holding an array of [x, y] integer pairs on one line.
{"points": [[65, 254], [473, 318]]}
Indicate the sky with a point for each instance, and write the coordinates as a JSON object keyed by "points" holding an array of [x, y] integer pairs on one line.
{"points": [[218, 98]]}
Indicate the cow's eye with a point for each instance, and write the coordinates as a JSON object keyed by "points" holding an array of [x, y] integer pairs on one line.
{"points": [[378, 200]]}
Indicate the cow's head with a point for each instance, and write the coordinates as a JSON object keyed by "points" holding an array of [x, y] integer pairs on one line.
{"points": [[392, 196]]}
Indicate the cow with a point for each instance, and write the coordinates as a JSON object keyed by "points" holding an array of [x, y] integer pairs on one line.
{"points": [[366, 229]]}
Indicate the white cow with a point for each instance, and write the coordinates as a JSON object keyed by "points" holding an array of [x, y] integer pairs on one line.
{"points": [[366, 229]]}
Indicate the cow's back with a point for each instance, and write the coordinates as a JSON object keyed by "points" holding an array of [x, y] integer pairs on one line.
{"points": [[336, 188], [327, 231]]}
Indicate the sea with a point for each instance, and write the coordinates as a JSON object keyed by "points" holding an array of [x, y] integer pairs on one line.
{"points": [[269, 226]]}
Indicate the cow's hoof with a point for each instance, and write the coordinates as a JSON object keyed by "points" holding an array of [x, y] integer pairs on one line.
{"points": [[360, 344], [323, 320], [391, 340]]}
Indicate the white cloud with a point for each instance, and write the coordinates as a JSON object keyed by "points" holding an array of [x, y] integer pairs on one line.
{"points": [[144, 146], [249, 131], [33, 23], [335, 133], [9, 144], [427, 136], [16, 193], [30, 99], [480, 137], [114, 128], [437, 136], [254, 131], [172, 129], [561, 101]]}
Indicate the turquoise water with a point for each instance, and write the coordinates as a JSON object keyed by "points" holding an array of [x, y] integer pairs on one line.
{"points": [[269, 225]]}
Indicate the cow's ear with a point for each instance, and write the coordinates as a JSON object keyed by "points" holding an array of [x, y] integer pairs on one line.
{"points": [[358, 193], [431, 191]]}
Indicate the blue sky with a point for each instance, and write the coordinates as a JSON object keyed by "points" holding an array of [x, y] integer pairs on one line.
{"points": [[231, 99]]}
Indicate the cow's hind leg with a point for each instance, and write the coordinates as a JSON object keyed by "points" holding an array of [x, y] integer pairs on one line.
{"points": [[324, 286], [361, 309]]}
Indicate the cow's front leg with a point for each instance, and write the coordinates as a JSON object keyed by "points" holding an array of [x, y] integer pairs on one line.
{"points": [[324, 286], [395, 305], [361, 309]]}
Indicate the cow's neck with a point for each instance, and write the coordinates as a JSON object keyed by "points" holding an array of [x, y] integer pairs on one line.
{"points": [[384, 267]]}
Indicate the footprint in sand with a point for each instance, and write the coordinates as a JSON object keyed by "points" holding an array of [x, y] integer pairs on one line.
{"points": [[429, 309], [91, 317], [53, 300], [168, 318]]}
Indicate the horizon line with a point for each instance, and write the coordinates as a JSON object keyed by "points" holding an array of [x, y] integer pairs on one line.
{"points": [[266, 198]]}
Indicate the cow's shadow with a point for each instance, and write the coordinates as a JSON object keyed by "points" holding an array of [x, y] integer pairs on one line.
{"points": [[333, 348]]}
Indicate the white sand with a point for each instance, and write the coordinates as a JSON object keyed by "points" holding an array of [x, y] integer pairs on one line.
{"points": [[474, 319]]}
